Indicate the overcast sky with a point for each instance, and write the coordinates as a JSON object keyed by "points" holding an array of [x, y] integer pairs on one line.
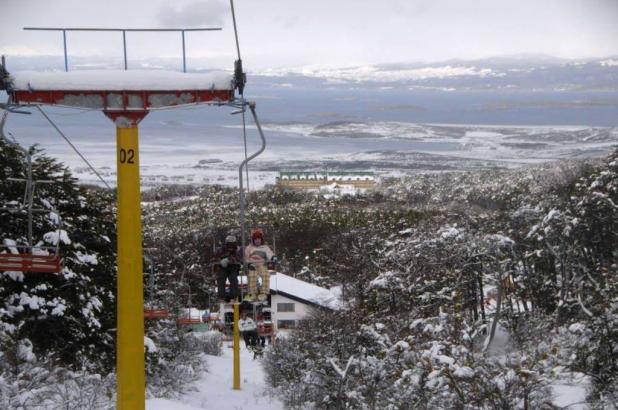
{"points": [[275, 33]]}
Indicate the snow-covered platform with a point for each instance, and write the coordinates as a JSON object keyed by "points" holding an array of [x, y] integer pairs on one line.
{"points": [[121, 90]]}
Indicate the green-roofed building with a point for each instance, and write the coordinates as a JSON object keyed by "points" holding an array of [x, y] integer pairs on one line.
{"points": [[314, 180]]}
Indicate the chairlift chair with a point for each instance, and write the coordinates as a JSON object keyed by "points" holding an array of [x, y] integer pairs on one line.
{"points": [[29, 262], [243, 285], [187, 321], [151, 313], [154, 314], [265, 329]]}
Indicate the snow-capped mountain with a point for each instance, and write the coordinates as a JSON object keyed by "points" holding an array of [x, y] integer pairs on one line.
{"points": [[504, 73]]}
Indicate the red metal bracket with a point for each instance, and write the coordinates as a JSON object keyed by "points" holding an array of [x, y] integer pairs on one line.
{"points": [[126, 119]]}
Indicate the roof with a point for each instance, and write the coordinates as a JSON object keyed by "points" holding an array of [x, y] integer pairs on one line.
{"points": [[324, 174], [299, 289], [302, 291], [120, 80]]}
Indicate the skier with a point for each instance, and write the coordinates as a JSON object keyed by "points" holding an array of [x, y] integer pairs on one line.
{"points": [[258, 255], [248, 329], [227, 262]]}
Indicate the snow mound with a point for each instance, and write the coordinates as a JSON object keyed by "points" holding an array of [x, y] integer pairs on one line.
{"points": [[336, 190], [11, 245], [55, 236]]}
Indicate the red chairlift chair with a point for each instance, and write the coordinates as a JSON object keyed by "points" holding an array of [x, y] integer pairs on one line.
{"points": [[189, 321], [151, 312], [27, 262], [155, 314]]}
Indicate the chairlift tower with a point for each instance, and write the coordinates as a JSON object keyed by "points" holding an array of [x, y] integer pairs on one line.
{"points": [[126, 97]]}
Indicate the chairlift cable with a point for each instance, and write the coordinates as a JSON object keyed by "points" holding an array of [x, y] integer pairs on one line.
{"points": [[72, 146], [235, 28], [78, 111]]}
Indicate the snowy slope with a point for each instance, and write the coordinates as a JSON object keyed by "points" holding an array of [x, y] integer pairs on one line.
{"points": [[214, 389]]}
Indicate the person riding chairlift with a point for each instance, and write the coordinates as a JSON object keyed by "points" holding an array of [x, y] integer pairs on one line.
{"points": [[259, 255], [248, 330], [227, 262]]}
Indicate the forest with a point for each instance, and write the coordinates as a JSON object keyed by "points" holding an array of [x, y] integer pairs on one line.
{"points": [[478, 289]]}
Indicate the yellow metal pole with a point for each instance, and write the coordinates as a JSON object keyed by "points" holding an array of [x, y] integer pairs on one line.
{"points": [[236, 347], [130, 303]]}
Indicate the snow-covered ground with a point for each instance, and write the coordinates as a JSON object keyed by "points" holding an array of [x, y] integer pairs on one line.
{"points": [[214, 389], [570, 392]]}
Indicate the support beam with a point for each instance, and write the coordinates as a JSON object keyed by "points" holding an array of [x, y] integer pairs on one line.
{"points": [[184, 54], [130, 374], [236, 347], [66, 58], [124, 48]]}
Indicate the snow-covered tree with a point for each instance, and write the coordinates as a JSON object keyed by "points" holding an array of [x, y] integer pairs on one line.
{"points": [[70, 314]]}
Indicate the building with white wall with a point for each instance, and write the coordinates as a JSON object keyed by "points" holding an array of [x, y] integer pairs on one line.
{"points": [[291, 300]]}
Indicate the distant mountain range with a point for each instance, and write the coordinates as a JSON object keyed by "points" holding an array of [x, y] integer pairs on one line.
{"points": [[529, 73], [508, 73]]}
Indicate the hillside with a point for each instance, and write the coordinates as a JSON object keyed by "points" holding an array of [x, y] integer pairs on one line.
{"points": [[477, 289], [482, 288]]}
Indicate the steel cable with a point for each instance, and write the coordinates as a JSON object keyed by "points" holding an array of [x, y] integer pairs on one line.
{"points": [[72, 146]]}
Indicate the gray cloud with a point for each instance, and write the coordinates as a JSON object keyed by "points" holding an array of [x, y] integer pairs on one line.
{"points": [[196, 14], [276, 33]]}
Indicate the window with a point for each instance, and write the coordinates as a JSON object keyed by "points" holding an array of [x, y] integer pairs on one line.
{"points": [[285, 307], [286, 324]]}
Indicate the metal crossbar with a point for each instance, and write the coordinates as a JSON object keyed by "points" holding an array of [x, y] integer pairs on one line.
{"points": [[124, 38]]}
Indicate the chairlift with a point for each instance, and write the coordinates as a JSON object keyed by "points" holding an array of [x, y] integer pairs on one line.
{"points": [[29, 262], [265, 327], [189, 319], [267, 230], [155, 314], [126, 98], [33, 259], [149, 312]]}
